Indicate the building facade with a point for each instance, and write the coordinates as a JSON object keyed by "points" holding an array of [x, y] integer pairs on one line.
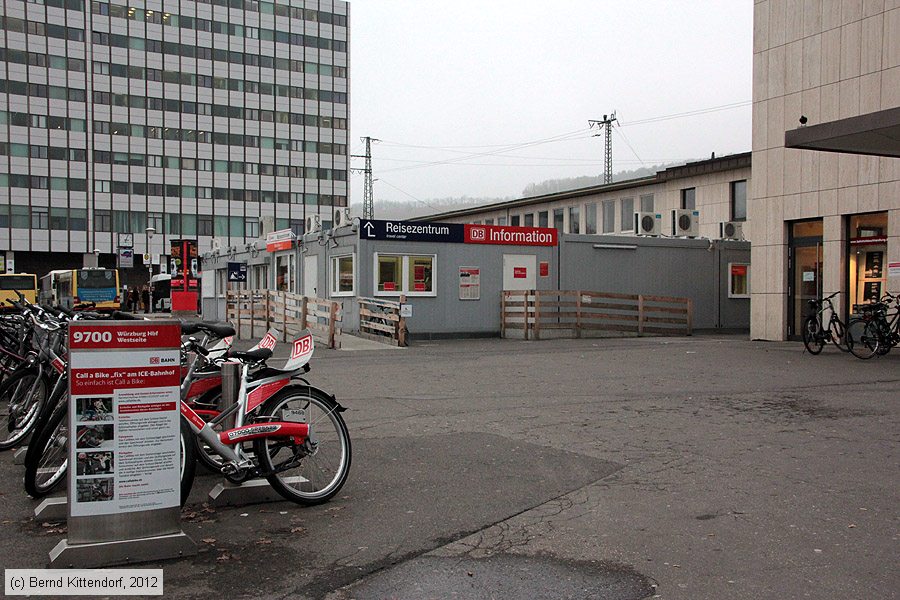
{"points": [[715, 188], [202, 120], [824, 209]]}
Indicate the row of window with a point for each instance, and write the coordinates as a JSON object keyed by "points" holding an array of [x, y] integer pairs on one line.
{"points": [[199, 24], [39, 59], [37, 151], [42, 217], [69, 4], [62, 32], [74, 184], [116, 40], [609, 210], [267, 8], [154, 132]]}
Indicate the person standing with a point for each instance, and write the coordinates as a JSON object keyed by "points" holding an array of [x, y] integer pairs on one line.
{"points": [[133, 299], [145, 298]]}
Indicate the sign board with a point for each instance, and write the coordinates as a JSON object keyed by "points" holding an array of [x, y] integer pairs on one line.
{"points": [[237, 272], [148, 258], [739, 270], [10, 264], [126, 258], [869, 241], [520, 272], [544, 267], [470, 283], [184, 265], [894, 269], [124, 443], [456, 233], [282, 239], [406, 310]]}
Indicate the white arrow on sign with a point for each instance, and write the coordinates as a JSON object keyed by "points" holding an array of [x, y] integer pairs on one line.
{"points": [[369, 227]]}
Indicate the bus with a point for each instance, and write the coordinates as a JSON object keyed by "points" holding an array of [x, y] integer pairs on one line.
{"points": [[47, 294], [10, 283], [161, 286], [94, 285]]}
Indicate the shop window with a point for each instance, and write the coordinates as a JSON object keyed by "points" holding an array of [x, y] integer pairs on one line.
{"points": [[867, 253], [405, 274], [343, 276], [738, 280]]}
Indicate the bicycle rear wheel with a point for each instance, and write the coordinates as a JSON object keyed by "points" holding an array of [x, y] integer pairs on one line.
{"points": [[812, 335], [311, 472], [863, 338]]}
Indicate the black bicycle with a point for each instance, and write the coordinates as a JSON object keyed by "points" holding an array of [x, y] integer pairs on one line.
{"points": [[819, 330], [876, 330]]}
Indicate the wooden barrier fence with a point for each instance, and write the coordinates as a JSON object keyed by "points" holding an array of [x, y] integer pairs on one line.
{"points": [[581, 312], [255, 311], [380, 320]]}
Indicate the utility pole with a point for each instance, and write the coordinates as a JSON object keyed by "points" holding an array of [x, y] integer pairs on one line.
{"points": [[606, 122], [368, 193]]}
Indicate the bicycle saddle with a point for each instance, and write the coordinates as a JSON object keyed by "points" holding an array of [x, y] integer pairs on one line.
{"points": [[219, 330], [257, 355]]}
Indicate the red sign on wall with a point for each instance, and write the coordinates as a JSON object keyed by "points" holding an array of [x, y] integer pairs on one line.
{"points": [[545, 268], [739, 270], [520, 272], [512, 236]]}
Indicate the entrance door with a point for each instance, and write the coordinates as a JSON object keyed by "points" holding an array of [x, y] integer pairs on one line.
{"points": [[805, 272], [285, 273], [310, 276], [519, 271]]}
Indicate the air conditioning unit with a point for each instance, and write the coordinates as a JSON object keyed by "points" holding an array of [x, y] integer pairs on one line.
{"points": [[313, 224], [685, 222], [731, 230], [266, 225], [341, 217], [647, 223], [216, 245]]}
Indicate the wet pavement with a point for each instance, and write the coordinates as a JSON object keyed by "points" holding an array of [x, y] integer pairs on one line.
{"points": [[709, 467]]}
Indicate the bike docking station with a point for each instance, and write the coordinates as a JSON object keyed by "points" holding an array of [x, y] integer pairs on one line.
{"points": [[254, 491], [124, 475]]}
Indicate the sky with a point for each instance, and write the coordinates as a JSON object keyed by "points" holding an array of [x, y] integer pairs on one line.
{"points": [[480, 98]]}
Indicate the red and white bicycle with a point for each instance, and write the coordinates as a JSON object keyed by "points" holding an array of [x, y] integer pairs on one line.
{"points": [[285, 430]]}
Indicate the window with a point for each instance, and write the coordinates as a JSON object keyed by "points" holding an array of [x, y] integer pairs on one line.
{"points": [[204, 225], [558, 219], [529, 220], [627, 223], [543, 219], [739, 200], [40, 217], [515, 220], [155, 220], [59, 218], [689, 198], [403, 274], [501, 221], [647, 203], [574, 219], [19, 216], [590, 218], [609, 216], [342, 275], [251, 227], [738, 280]]}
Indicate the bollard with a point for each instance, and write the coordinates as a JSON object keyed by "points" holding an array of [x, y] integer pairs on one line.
{"points": [[231, 382]]}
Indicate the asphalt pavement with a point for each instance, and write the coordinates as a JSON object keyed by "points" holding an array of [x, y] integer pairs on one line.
{"points": [[710, 467]]}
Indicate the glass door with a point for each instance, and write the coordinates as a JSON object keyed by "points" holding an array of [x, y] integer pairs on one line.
{"points": [[805, 271]]}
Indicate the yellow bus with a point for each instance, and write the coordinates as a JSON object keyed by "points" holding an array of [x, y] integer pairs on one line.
{"points": [[91, 285], [10, 283]]}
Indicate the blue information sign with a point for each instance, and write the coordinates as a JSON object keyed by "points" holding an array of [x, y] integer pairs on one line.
{"points": [[411, 231], [237, 272]]}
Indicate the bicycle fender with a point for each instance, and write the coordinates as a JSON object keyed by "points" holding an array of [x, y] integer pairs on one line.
{"points": [[301, 384]]}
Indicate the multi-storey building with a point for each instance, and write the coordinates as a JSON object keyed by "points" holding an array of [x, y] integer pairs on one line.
{"points": [[196, 119]]}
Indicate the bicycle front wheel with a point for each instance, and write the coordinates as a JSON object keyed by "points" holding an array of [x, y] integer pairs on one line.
{"points": [[47, 458], [863, 338], [21, 398], [812, 335], [311, 472]]}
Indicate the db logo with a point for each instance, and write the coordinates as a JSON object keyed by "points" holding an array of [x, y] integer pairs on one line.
{"points": [[301, 347], [268, 341], [154, 360], [479, 233]]}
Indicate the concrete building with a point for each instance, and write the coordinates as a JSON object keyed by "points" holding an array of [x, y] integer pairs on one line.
{"points": [[824, 208], [715, 188], [198, 119]]}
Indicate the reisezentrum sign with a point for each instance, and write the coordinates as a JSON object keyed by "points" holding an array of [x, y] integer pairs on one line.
{"points": [[456, 233]]}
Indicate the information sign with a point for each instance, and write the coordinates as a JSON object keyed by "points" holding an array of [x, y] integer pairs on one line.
{"points": [[124, 443], [237, 272], [469, 283], [424, 231]]}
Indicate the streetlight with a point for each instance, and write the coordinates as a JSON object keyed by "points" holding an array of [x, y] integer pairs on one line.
{"points": [[149, 232]]}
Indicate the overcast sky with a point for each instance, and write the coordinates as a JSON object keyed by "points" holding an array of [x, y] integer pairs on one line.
{"points": [[474, 84]]}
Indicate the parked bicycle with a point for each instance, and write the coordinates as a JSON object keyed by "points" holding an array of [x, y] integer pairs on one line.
{"points": [[877, 329], [823, 325]]}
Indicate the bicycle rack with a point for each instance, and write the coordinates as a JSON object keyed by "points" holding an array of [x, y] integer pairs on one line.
{"points": [[19, 455], [54, 508]]}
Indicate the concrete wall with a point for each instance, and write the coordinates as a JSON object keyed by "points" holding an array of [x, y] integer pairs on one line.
{"points": [[690, 268]]}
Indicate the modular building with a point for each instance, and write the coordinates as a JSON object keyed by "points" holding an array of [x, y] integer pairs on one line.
{"points": [[453, 275]]}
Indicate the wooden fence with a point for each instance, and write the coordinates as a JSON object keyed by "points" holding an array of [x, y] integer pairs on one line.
{"points": [[380, 320], [253, 312], [580, 313]]}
